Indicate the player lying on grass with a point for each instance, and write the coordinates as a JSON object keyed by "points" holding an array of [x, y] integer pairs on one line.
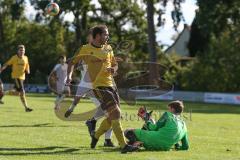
{"points": [[165, 133]]}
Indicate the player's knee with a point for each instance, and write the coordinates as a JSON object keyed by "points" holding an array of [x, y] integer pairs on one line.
{"points": [[114, 113], [129, 134]]}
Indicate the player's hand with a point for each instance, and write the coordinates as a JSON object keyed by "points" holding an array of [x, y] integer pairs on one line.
{"points": [[118, 59], [110, 70], [68, 81], [141, 112]]}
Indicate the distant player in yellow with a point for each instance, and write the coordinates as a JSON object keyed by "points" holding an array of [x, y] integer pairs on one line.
{"points": [[101, 66], [20, 66]]}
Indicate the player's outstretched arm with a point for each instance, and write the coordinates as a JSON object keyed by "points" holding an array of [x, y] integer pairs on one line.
{"points": [[3, 68], [70, 71]]}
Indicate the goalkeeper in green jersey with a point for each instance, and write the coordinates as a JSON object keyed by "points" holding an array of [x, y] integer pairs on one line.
{"points": [[167, 132]]}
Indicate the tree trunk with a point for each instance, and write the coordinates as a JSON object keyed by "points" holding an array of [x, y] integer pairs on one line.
{"points": [[78, 29], [151, 31], [1, 29], [153, 70]]}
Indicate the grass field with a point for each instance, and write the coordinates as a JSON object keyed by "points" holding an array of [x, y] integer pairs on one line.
{"points": [[214, 133]]}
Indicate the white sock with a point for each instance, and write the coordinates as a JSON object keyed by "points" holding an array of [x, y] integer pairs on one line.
{"points": [[99, 113], [108, 134]]}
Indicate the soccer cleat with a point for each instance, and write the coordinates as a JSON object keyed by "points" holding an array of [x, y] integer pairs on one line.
{"points": [[91, 124], [94, 141], [177, 146], [68, 113], [1, 102], [28, 110], [108, 143], [129, 148]]}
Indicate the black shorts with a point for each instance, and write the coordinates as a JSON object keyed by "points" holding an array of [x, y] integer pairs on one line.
{"points": [[19, 85], [107, 96]]}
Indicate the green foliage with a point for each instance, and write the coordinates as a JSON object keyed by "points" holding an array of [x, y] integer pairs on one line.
{"points": [[176, 67], [212, 18], [218, 69], [215, 42]]}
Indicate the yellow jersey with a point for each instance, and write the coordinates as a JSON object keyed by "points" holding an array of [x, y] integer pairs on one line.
{"points": [[19, 66], [97, 61]]}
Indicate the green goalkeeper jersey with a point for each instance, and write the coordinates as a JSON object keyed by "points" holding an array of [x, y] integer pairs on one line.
{"points": [[168, 131]]}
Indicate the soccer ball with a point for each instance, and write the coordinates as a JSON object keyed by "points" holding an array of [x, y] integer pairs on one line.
{"points": [[52, 9]]}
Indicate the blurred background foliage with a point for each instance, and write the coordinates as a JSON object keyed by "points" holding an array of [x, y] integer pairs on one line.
{"points": [[214, 41]]}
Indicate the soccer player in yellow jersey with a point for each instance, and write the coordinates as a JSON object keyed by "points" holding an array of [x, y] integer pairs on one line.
{"points": [[20, 66], [85, 87], [101, 65]]}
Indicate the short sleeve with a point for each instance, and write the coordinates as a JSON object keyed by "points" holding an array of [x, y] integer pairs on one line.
{"points": [[27, 65], [56, 67], [10, 61], [79, 55]]}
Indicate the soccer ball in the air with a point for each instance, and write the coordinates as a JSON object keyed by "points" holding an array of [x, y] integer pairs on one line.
{"points": [[52, 9]]}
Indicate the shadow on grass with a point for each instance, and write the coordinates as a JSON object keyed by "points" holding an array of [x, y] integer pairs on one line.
{"points": [[53, 150], [36, 151], [33, 125]]}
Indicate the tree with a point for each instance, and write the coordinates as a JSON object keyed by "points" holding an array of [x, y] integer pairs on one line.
{"points": [[151, 10], [9, 10], [213, 18]]}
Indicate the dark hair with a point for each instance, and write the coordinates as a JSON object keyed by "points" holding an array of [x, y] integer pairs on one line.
{"points": [[62, 57], [177, 106], [99, 29], [20, 46]]}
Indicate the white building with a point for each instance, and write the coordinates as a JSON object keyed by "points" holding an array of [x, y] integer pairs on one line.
{"points": [[180, 45]]}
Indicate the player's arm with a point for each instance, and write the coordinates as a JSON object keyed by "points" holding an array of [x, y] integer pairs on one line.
{"points": [[114, 65], [160, 123], [53, 74], [70, 71], [8, 63], [185, 143], [27, 70], [74, 60]]}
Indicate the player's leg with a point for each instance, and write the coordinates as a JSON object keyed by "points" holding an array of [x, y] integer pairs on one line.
{"points": [[20, 88], [108, 135], [1, 91], [129, 134], [110, 104], [67, 90], [91, 124], [73, 105], [60, 95], [81, 90]]}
